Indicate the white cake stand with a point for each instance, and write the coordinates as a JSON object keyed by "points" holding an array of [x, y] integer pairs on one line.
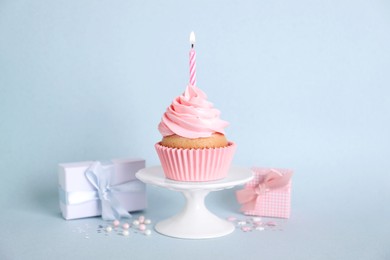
{"points": [[195, 221]]}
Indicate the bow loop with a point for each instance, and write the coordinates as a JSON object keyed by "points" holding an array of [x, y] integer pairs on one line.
{"points": [[275, 179], [271, 181]]}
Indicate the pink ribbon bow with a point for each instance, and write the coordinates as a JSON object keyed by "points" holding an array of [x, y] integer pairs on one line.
{"points": [[272, 180]]}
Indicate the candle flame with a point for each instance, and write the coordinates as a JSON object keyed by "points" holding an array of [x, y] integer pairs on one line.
{"points": [[192, 38]]}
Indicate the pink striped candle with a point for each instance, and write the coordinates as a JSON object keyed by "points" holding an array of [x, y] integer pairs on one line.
{"points": [[192, 60]]}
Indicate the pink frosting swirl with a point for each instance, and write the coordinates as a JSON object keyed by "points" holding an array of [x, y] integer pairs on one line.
{"points": [[191, 115]]}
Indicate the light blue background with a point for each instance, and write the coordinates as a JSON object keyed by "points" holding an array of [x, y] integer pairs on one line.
{"points": [[304, 85]]}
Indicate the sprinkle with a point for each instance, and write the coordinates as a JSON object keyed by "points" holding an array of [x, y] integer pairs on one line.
{"points": [[116, 223], [135, 222], [147, 221], [126, 226], [246, 228], [108, 228], [125, 233], [259, 228], [256, 219], [271, 223], [142, 227], [241, 223], [141, 219], [148, 232], [258, 223]]}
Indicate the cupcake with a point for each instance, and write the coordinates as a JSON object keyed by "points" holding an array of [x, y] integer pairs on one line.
{"points": [[194, 146]]}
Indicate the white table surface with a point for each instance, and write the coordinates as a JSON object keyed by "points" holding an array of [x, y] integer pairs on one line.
{"points": [[323, 225]]}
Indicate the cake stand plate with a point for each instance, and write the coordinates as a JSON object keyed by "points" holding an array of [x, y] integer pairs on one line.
{"points": [[195, 221]]}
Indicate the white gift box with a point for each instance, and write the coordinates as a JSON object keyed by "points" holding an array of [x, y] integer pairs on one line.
{"points": [[78, 197]]}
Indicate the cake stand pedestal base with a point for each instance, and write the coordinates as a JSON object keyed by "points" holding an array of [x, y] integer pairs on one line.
{"points": [[195, 221]]}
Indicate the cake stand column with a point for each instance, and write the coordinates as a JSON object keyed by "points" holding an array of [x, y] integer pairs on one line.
{"points": [[195, 221]]}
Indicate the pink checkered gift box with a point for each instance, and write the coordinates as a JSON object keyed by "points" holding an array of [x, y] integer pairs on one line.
{"points": [[268, 194]]}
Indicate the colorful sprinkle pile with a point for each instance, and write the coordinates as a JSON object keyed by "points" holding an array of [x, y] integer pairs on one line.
{"points": [[255, 224], [139, 225]]}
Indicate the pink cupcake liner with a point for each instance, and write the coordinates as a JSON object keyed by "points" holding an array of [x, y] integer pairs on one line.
{"points": [[206, 164]]}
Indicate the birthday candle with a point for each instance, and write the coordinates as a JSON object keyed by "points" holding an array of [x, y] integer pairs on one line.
{"points": [[192, 60]]}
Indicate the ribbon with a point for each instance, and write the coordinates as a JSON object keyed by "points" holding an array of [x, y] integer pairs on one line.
{"points": [[100, 176], [272, 180]]}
